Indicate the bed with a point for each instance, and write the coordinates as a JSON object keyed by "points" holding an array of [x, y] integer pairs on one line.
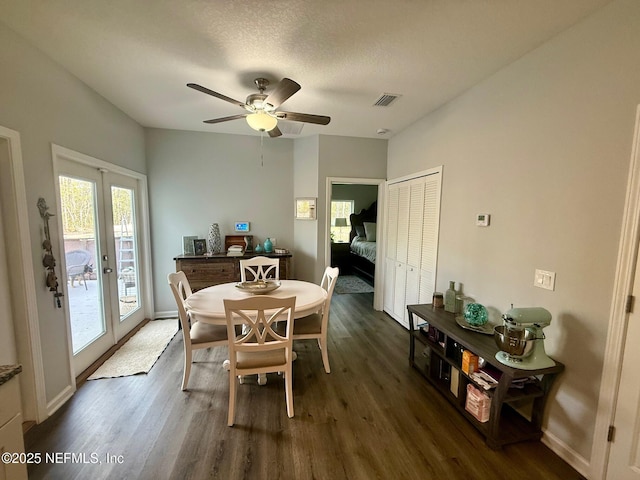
{"points": [[362, 251]]}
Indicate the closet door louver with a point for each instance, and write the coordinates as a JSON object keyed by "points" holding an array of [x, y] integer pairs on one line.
{"points": [[402, 244], [393, 196], [430, 229]]}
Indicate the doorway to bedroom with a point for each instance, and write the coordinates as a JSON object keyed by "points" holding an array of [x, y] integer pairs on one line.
{"points": [[352, 223]]}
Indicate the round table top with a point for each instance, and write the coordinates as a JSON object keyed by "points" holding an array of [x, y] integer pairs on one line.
{"points": [[208, 304]]}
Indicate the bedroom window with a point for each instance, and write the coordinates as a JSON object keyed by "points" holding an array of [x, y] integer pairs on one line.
{"points": [[340, 226]]}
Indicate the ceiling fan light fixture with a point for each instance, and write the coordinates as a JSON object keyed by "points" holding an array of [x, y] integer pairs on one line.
{"points": [[261, 121]]}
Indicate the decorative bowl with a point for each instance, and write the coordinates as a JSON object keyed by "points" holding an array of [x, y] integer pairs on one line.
{"points": [[258, 287], [476, 314]]}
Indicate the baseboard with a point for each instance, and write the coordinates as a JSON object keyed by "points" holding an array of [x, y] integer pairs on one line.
{"points": [[59, 400], [567, 454], [166, 314]]}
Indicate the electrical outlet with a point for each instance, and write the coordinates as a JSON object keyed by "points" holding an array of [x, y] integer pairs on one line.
{"points": [[545, 279]]}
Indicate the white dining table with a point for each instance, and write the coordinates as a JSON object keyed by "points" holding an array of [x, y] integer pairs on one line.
{"points": [[208, 304]]}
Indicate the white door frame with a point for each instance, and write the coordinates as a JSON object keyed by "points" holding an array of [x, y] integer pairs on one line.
{"points": [[628, 249], [146, 292], [379, 271], [23, 291]]}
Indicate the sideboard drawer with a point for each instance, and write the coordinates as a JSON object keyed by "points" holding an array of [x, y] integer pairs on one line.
{"points": [[205, 274]]}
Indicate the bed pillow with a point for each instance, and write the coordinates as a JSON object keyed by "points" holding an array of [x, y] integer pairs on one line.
{"points": [[370, 231], [360, 231]]}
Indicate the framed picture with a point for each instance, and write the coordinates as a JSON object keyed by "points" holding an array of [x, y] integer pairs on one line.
{"points": [[199, 246], [305, 208], [187, 245]]}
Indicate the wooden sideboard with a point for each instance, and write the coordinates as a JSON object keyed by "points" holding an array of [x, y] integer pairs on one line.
{"points": [[205, 270], [439, 361]]}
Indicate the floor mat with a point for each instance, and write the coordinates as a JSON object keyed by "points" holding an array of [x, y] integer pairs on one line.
{"points": [[352, 284], [140, 352]]}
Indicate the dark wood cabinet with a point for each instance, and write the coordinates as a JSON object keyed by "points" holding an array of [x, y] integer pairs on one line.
{"points": [[435, 350], [206, 270]]}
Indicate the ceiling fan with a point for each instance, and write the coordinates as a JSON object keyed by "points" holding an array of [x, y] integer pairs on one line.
{"points": [[263, 113]]}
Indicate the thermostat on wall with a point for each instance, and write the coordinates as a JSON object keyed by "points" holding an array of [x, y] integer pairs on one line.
{"points": [[482, 219], [242, 227]]}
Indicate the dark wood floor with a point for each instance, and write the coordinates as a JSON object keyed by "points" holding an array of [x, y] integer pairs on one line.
{"points": [[373, 417]]}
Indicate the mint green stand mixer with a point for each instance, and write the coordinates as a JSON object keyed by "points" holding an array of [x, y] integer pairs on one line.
{"points": [[521, 340]]}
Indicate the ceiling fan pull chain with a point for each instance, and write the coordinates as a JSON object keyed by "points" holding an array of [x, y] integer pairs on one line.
{"points": [[261, 148]]}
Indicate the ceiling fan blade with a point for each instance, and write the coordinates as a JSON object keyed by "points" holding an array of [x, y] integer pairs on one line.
{"points": [[225, 119], [283, 90], [202, 89], [275, 132], [304, 117]]}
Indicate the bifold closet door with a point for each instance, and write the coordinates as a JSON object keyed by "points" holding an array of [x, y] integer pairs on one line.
{"points": [[413, 215]]}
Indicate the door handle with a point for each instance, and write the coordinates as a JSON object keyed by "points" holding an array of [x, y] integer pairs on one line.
{"points": [[107, 270]]}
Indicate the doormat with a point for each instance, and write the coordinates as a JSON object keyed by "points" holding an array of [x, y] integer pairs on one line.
{"points": [[351, 284], [140, 352]]}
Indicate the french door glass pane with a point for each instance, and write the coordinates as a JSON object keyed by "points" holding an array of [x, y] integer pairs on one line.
{"points": [[124, 228], [86, 310]]}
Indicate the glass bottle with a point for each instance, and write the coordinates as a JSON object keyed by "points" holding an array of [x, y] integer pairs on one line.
{"points": [[450, 298]]}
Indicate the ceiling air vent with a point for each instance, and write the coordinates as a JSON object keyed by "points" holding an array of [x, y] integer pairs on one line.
{"points": [[386, 99]]}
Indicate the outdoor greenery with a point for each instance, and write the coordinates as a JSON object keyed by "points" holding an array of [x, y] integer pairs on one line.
{"points": [[78, 206]]}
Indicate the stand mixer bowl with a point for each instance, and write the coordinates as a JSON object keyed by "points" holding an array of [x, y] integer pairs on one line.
{"points": [[514, 342]]}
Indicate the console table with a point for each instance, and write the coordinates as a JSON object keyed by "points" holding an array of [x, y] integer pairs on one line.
{"points": [[515, 413], [206, 270]]}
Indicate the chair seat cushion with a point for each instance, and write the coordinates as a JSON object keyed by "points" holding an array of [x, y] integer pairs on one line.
{"points": [[260, 359], [202, 332], [308, 325]]}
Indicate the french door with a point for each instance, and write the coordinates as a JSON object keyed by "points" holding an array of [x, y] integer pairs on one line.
{"points": [[99, 213]]}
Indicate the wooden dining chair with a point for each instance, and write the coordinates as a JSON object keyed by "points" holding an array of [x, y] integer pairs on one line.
{"points": [[259, 268], [316, 325], [259, 349], [196, 335]]}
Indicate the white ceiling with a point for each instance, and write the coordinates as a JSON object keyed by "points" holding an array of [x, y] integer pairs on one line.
{"points": [[140, 54]]}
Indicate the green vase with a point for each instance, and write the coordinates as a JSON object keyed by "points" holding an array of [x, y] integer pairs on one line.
{"points": [[268, 246]]}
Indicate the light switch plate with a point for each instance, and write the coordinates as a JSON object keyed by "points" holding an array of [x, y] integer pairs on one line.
{"points": [[545, 279]]}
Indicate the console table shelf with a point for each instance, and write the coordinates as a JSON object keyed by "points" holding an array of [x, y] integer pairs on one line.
{"points": [[515, 413]]}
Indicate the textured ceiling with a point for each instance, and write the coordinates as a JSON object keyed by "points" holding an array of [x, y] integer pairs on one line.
{"points": [[140, 54]]}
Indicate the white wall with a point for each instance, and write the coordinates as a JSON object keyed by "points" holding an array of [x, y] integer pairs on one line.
{"points": [[305, 178], [544, 147], [197, 178], [46, 104], [8, 353]]}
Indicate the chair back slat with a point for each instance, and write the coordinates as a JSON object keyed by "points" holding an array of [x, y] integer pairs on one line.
{"points": [[259, 268]]}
